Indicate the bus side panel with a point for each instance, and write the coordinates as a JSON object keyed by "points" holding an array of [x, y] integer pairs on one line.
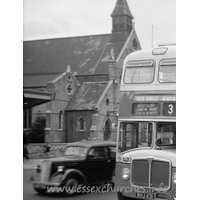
{"points": [[125, 108]]}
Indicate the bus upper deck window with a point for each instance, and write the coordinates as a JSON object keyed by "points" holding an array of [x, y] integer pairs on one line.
{"points": [[167, 71], [139, 72]]}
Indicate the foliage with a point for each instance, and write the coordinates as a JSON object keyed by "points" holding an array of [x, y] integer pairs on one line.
{"points": [[37, 132]]}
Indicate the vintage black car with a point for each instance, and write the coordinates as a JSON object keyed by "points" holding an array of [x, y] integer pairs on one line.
{"points": [[83, 163]]}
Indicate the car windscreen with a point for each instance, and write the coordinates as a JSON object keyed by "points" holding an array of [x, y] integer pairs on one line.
{"points": [[75, 151]]}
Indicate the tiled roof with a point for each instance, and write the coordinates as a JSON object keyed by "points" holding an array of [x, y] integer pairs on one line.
{"points": [[44, 60], [87, 96], [102, 65], [38, 80], [54, 55]]}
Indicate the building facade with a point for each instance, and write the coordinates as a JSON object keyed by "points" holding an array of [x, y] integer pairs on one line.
{"points": [[83, 73]]}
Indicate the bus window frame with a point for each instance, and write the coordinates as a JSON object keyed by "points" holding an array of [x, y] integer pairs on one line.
{"points": [[138, 148], [154, 69], [156, 134], [159, 66]]}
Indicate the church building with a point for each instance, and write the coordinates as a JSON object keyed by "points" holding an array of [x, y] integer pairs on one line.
{"points": [[83, 76]]}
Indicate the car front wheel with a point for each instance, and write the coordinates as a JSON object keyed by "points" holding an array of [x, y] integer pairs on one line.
{"points": [[71, 186], [39, 190]]}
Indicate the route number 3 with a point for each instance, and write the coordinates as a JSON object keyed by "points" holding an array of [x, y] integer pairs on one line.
{"points": [[170, 107]]}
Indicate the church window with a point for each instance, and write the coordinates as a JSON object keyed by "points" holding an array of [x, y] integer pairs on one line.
{"points": [[107, 101], [134, 43], [69, 89], [81, 124], [60, 119]]}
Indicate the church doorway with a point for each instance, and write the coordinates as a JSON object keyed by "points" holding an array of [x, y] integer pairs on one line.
{"points": [[107, 129]]}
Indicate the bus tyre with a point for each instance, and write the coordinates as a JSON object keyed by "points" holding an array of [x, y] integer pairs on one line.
{"points": [[71, 186], [120, 196]]}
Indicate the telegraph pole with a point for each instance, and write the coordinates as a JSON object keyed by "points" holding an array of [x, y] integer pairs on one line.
{"points": [[152, 37]]}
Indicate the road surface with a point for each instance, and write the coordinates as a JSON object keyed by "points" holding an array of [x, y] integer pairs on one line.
{"points": [[30, 194]]}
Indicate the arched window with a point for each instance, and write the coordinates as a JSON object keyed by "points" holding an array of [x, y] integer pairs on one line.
{"points": [[107, 129], [81, 124], [60, 119]]}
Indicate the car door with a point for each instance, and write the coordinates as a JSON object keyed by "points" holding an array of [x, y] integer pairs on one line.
{"points": [[97, 164], [112, 162]]}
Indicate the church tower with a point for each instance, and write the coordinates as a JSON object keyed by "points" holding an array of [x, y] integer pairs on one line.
{"points": [[121, 21]]}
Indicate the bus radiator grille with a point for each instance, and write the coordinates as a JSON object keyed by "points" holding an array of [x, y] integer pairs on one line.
{"points": [[155, 174]]}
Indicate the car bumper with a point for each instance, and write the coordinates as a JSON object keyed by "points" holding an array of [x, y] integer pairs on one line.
{"points": [[44, 185]]}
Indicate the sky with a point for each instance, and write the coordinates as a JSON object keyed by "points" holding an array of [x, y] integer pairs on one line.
{"points": [[155, 20]]}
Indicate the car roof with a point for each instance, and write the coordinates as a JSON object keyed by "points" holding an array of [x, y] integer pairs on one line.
{"points": [[89, 144]]}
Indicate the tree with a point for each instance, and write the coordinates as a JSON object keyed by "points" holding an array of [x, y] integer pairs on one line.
{"points": [[37, 133]]}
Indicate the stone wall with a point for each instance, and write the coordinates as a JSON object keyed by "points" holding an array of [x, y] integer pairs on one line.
{"points": [[57, 136], [53, 111], [37, 150], [72, 118]]}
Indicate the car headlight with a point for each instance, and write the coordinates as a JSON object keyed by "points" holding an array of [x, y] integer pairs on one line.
{"points": [[174, 178], [60, 168], [37, 167], [125, 173]]}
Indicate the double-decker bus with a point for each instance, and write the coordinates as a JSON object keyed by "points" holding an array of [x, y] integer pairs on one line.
{"points": [[146, 141]]}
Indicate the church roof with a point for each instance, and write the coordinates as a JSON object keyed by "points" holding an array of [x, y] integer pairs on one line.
{"points": [[38, 80], [54, 55], [86, 55], [121, 8], [87, 96]]}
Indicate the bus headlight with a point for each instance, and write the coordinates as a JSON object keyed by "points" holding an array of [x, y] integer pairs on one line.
{"points": [[125, 174], [174, 178]]}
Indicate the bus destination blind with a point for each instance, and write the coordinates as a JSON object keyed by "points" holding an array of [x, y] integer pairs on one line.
{"points": [[146, 109]]}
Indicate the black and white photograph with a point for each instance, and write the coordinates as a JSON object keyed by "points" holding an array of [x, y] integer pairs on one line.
{"points": [[99, 99]]}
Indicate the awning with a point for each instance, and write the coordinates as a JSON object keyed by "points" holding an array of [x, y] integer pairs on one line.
{"points": [[33, 98]]}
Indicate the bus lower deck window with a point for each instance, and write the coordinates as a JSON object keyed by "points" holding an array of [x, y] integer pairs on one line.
{"points": [[135, 135]]}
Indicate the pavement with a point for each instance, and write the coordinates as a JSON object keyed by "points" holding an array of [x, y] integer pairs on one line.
{"points": [[29, 164]]}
